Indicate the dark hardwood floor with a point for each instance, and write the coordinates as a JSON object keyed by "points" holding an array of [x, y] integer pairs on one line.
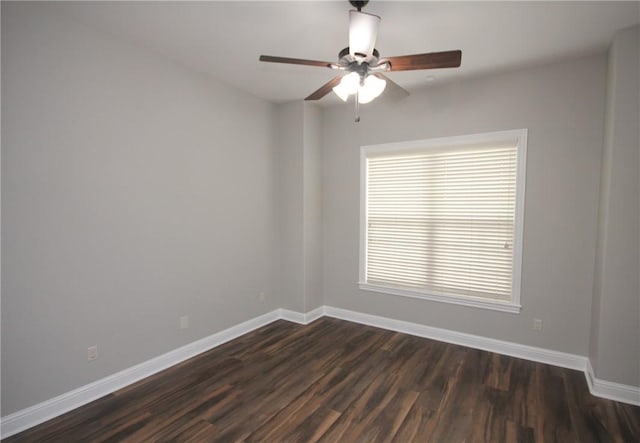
{"points": [[336, 381]]}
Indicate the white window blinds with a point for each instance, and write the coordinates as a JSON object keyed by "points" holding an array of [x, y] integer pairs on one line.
{"points": [[442, 220]]}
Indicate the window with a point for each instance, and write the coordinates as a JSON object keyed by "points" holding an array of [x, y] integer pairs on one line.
{"points": [[441, 219]]}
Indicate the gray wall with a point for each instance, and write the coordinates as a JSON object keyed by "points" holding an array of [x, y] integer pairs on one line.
{"points": [[300, 201], [132, 194], [615, 335], [312, 208], [290, 145], [562, 105]]}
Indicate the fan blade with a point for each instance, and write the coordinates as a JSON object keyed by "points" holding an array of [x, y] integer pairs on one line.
{"points": [[432, 60], [395, 88], [363, 30], [294, 61], [325, 89]]}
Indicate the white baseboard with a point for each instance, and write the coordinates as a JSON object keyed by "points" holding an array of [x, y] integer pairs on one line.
{"points": [[301, 318], [540, 355], [41, 412], [610, 390]]}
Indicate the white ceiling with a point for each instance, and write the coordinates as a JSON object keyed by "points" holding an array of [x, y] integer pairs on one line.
{"points": [[225, 39]]}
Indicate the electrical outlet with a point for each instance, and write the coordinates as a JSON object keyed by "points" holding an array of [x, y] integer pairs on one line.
{"points": [[184, 322], [92, 353], [261, 296], [537, 324]]}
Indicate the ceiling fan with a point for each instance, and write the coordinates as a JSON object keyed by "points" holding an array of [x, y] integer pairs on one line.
{"points": [[360, 63]]}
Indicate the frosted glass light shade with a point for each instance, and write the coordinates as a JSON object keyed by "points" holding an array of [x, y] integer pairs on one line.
{"points": [[347, 86], [372, 88]]}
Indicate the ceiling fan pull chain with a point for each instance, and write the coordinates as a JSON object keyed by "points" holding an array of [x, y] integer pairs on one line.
{"points": [[357, 107]]}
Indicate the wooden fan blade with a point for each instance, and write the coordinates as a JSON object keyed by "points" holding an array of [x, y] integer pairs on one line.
{"points": [[431, 60], [294, 61], [325, 89], [392, 86]]}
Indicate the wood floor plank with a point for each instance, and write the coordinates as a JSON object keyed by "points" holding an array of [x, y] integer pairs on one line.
{"points": [[498, 375], [554, 420], [418, 425], [587, 427], [456, 415], [518, 434], [488, 423], [336, 381], [386, 425], [522, 393]]}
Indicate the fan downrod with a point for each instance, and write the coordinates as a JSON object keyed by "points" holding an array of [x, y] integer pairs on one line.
{"points": [[359, 4]]}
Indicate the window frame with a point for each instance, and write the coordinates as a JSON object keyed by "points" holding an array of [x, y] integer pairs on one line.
{"points": [[517, 137]]}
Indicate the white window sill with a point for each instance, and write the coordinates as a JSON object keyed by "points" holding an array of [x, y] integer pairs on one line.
{"points": [[473, 302]]}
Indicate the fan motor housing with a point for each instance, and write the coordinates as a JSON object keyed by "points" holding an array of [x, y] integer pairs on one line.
{"points": [[359, 4], [345, 52]]}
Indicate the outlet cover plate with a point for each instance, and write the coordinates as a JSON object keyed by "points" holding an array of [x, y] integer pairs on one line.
{"points": [[92, 353]]}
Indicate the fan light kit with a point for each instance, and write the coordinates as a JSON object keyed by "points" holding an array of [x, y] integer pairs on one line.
{"points": [[362, 66], [366, 90]]}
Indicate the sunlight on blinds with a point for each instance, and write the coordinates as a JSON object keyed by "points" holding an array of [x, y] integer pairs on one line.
{"points": [[443, 220]]}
